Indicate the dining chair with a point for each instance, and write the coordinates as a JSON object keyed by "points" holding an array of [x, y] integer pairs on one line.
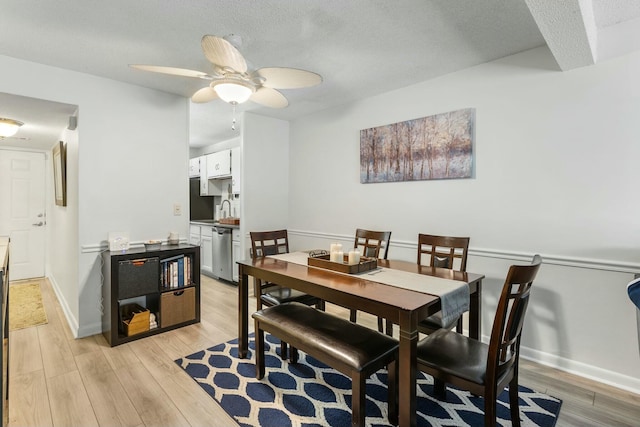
{"points": [[371, 243], [443, 252], [265, 243], [484, 369]]}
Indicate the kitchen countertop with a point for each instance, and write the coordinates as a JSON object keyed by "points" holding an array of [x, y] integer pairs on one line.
{"points": [[212, 222]]}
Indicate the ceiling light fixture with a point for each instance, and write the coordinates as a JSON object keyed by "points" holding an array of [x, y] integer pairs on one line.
{"points": [[233, 91], [9, 127]]}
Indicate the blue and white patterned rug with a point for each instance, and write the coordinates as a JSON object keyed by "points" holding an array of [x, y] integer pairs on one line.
{"points": [[310, 393]]}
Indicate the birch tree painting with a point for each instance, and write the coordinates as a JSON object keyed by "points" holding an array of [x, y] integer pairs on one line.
{"points": [[434, 147]]}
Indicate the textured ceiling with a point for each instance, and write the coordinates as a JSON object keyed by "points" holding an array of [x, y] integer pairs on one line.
{"points": [[360, 47]]}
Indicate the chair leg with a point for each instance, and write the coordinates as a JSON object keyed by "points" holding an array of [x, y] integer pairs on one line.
{"points": [[389, 328], [293, 354], [513, 402], [459, 325], [352, 316], [283, 350], [320, 305], [380, 325], [439, 389], [257, 291], [259, 337], [392, 398], [490, 407], [358, 400]]}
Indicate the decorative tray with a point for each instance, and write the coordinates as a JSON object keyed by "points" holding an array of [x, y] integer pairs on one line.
{"points": [[230, 221], [322, 261]]}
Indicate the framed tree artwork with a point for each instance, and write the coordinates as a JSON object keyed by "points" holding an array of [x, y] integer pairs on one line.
{"points": [[59, 157], [433, 147]]}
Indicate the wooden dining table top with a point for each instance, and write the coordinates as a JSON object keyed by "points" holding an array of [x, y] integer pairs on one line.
{"points": [[356, 288]]}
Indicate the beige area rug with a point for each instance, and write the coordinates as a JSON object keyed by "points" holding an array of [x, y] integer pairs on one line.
{"points": [[25, 306]]}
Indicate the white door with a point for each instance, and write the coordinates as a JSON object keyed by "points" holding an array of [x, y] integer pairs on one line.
{"points": [[22, 211]]}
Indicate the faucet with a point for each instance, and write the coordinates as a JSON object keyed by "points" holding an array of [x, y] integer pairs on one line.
{"points": [[222, 206]]}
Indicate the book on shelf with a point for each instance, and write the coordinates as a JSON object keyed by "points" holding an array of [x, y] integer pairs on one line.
{"points": [[180, 272], [176, 271]]}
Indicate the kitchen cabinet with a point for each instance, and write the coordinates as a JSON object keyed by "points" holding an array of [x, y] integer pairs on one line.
{"points": [[236, 252], [235, 170], [139, 283], [206, 245], [208, 187], [194, 234], [219, 165], [194, 167]]}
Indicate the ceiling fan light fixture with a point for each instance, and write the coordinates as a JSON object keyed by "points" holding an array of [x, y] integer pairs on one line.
{"points": [[233, 91], [9, 127]]}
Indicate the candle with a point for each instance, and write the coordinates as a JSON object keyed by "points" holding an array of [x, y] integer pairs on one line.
{"points": [[352, 258], [336, 248]]}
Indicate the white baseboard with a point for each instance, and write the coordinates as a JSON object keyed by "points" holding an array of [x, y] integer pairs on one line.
{"points": [[71, 320], [584, 370]]}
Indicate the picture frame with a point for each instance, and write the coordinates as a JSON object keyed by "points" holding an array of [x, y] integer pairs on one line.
{"points": [[435, 147], [59, 157]]}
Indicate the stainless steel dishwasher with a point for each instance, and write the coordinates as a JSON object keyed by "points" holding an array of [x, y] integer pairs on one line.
{"points": [[222, 259]]}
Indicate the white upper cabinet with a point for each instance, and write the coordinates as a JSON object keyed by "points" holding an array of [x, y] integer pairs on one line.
{"points": [[219, 164], [208, 188], [235, 170], [194, 167]]}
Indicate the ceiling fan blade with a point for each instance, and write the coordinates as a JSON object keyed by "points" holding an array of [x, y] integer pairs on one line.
{"points": [[269, 98], [288, 78], [205, 94], [223, 54], [172, 71]]}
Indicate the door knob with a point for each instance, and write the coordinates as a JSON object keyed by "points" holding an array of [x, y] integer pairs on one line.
{"points": [[39, 224]]}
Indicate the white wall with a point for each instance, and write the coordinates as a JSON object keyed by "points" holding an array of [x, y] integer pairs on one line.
{"points": [[556, 160], [264, 186], [62, 233], [131, 168]]}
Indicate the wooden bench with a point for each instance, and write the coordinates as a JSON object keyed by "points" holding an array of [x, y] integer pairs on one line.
{"points": [[352, 349]]}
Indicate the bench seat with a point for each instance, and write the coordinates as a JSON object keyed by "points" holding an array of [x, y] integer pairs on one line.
{"points": [[352, 349]]}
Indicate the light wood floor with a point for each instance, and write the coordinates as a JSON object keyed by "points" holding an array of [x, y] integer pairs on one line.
{"points": [[56, 380]]}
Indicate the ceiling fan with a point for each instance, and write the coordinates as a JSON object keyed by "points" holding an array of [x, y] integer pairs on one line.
{"points": [[233, 82]]}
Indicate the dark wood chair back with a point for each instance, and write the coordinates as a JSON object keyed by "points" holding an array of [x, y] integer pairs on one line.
{"points": [[504, 346], [443, 251], [484, 370], [371, 242], [265, 243]]}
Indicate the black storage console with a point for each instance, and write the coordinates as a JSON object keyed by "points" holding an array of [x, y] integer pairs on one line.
{"points": [[149, 292]]}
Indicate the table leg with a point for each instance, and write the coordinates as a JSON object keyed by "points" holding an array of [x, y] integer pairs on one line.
{"points": [[475, 311], [407, 371], [243, 314]]}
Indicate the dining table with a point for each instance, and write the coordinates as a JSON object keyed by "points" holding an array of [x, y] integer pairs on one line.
{"points": [[404, 307]]}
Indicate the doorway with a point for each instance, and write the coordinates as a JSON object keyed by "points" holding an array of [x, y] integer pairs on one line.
{"points": [[22, 211], [24, 165]]}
